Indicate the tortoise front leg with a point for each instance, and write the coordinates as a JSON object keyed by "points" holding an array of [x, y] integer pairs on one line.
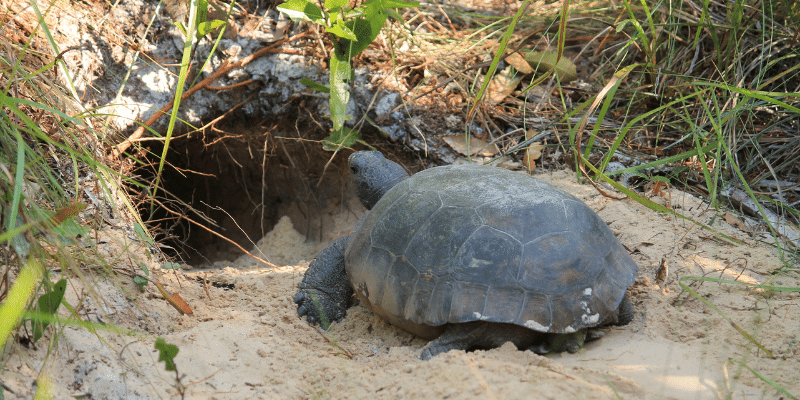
{"points": [[325, 290]]}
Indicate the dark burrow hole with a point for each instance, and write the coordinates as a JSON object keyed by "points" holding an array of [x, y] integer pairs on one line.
{"points": [[244, 177]]}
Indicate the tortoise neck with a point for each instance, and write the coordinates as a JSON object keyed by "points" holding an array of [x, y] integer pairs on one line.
{"points": [[370, 191]]}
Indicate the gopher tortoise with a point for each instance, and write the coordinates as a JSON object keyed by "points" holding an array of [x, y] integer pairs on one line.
{"points": [[473, 257]]}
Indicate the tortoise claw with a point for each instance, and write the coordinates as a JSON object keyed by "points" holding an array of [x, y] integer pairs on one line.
{"points": [[317, 307], [325, 291]]}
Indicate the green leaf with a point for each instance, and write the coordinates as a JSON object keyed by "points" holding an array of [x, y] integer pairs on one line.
{"points": [[209, 26], [166, 353], [384, 4], [48, 303], [394, 15], [180, 27], [202, 10], [335, 4], [69, 230], [340, 93], [341, 30], [314, 85], [201, 16], [21, 246], [303, 9], [344, 137], [366, 29], [352, 31], [18, 241], [142, 235], [543, 61], [144, 268], [140, 282], [170, 265]]}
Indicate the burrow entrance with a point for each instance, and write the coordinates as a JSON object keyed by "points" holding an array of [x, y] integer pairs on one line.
{"points": [[240, 178]]}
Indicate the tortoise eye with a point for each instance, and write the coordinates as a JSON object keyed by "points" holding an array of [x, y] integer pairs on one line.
{"points": [[353, 169]]}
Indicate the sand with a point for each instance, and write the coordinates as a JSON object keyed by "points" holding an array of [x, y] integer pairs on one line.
{"points": [[245, 339]]}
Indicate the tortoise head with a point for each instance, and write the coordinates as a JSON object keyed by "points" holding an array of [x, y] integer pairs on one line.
{"points": [[374, 175]]}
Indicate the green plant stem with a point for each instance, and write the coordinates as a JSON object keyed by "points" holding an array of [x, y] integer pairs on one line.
{"points": [[18, 298], [184, 72]]}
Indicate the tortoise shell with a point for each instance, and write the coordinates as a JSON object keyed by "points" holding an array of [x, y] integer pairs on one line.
{"points": [[466, 243]]}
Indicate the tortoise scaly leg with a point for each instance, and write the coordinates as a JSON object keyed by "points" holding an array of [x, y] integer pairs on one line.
{"points": [[325, 291], [624, 311], [455, 337], [571, 342], [481, 335]]}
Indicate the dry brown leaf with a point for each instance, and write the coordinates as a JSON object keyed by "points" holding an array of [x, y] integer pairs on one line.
{"points": [[531, 133], [536, 150], [529, 162], [518, 62], [736, 222], [475, 147], [532, 153], [502, 85], [175, 300], [662, 272]]}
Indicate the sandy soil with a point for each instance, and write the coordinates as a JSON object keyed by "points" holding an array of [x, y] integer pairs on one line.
{"points": [[246, 341]]}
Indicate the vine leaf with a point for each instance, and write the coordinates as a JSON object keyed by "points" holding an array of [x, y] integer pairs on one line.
{"points": [[48, 305], [166, 353]]}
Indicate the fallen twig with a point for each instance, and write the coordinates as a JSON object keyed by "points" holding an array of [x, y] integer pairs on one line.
{"points": [[346, 352]]}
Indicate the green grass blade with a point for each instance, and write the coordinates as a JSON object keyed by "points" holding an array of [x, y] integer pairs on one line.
{"points": [[608, 99], [184, 72], [736, 327], [652, 205], [765, 379], [501, 48]]}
